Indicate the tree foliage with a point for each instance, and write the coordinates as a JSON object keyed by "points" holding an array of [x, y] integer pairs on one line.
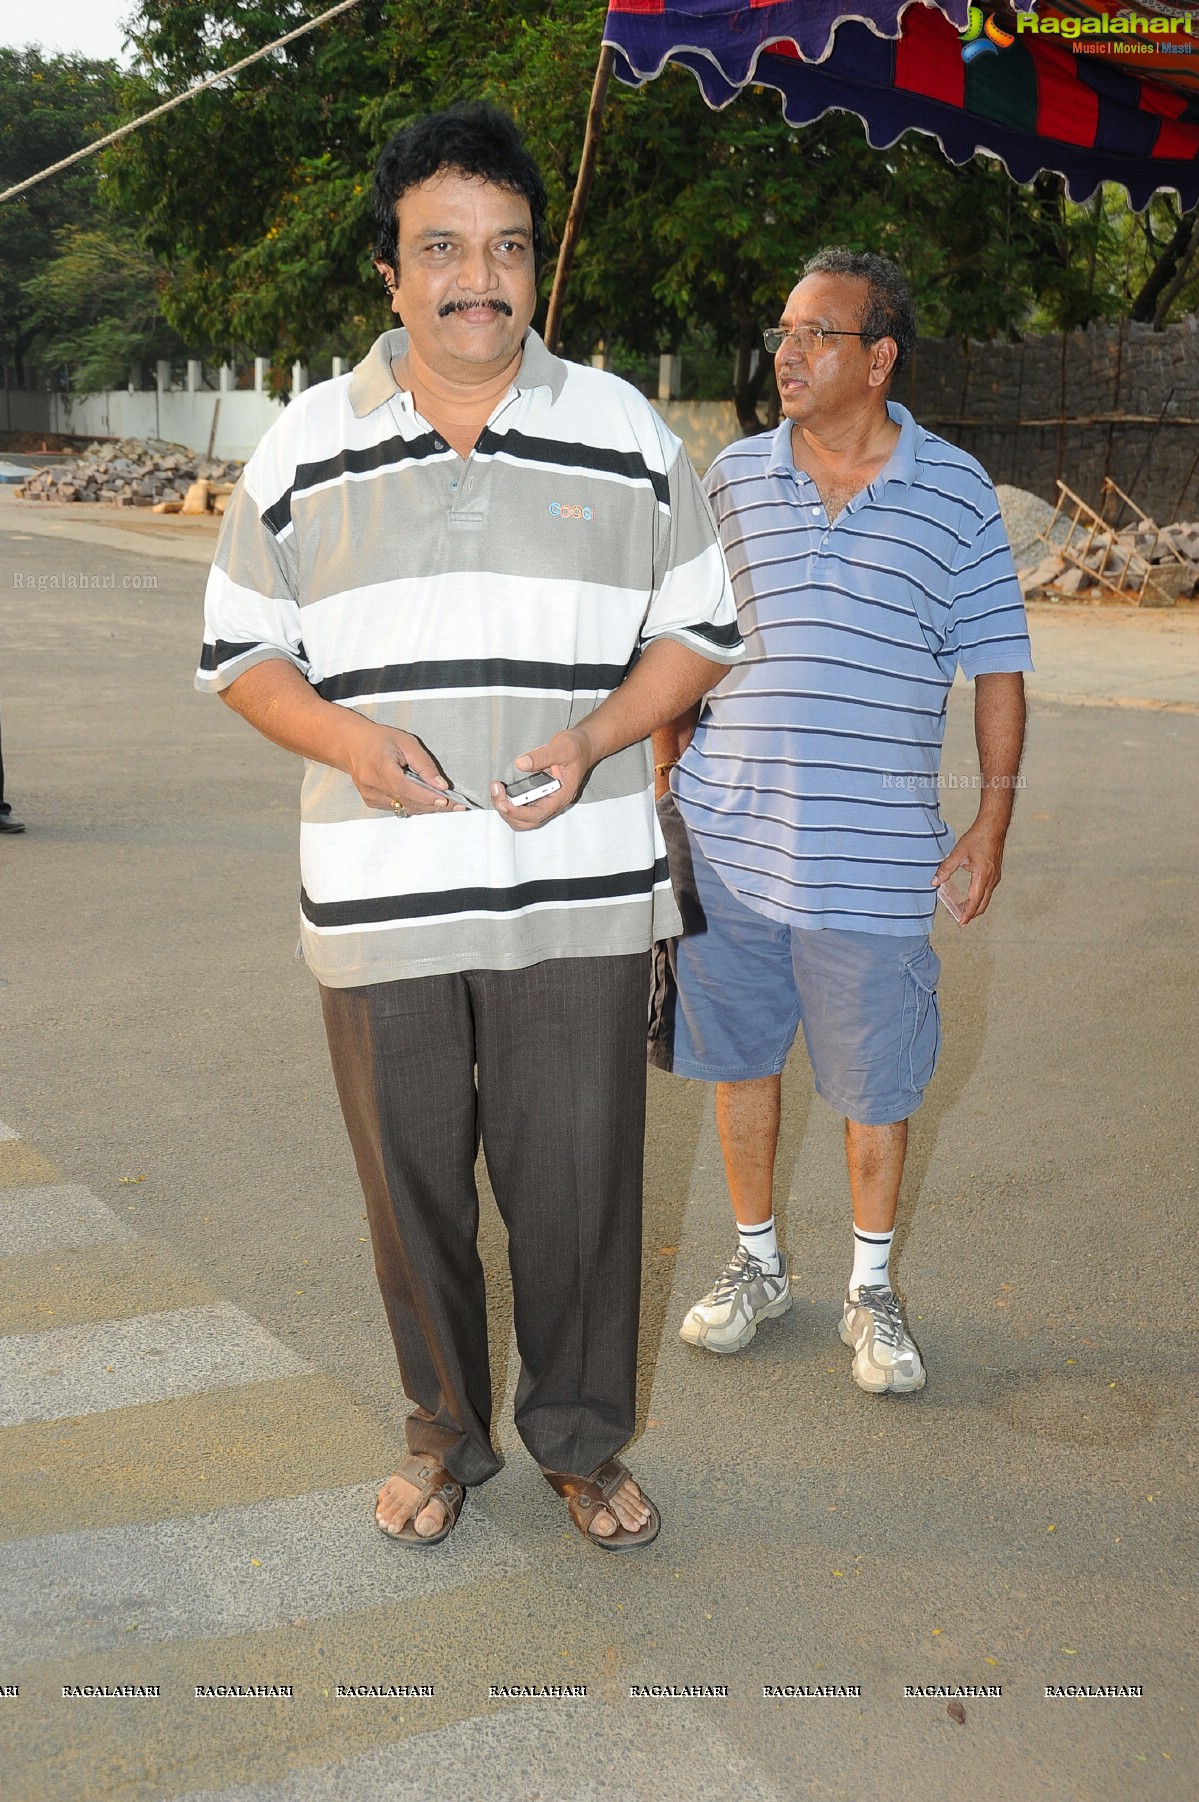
{"points": [[98, 302], [1172, 280], [255, 196], [49, 107]]}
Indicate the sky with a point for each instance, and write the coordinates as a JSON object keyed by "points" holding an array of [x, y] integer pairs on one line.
{"points": [[91, 27]]}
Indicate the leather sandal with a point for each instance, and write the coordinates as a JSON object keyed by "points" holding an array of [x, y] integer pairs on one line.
{"points": [[435, 1484], [585, 1496]]}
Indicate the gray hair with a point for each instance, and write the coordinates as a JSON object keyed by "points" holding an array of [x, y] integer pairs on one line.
{"points": [[889, 311]]}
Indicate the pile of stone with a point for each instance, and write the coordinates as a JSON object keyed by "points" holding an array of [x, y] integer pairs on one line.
{"points": [[138, 472], [1155, 565]]}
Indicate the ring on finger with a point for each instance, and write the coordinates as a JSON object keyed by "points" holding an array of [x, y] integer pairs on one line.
{"points": [[398, 808]]}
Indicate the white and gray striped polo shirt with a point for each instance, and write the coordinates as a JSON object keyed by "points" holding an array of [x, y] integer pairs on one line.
{"points": [[812, 782], [482, 605]]}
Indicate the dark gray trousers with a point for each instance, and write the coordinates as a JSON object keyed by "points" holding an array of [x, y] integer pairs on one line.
{"points": [[547, 1065]]}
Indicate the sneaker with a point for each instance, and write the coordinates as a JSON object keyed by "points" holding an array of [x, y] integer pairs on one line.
{"points": [[745, 1292], [885, 1355]]}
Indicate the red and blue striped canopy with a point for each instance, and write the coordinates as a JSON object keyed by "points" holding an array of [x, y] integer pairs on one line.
{"points": [[1035, 100]]}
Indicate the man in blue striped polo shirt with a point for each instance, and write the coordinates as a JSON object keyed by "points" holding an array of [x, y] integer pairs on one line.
{"points": [[805, 837]]}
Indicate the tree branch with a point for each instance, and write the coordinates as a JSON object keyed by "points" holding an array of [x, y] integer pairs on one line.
{"points": [[1144, 306]]}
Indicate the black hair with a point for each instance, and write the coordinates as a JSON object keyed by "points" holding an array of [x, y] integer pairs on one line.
{"points": [[890, 311], [476, 139]]}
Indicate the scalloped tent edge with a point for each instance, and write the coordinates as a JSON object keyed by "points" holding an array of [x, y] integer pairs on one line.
{"points": [[866, 70]]}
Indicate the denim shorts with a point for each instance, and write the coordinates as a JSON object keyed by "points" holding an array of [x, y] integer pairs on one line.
{"points": [[730, 994]]}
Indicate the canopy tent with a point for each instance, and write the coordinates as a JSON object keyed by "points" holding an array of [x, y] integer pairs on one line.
{"points": [[1104, 101]]}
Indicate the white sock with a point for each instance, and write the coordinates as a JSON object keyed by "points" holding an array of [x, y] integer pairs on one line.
{"points": [[871, 1256], [761, 1243]]}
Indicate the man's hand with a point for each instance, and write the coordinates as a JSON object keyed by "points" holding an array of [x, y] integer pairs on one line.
{"points": [[999, 734], [377, 765], [670, 741], [980, 850], [570, 757], [276, 700], [664, 683]]}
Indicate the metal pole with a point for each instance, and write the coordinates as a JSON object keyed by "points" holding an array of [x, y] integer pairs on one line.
{"points": [[578, 205]]}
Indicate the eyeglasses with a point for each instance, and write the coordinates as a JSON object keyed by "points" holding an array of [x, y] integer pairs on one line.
{"points": [[805, 337]]}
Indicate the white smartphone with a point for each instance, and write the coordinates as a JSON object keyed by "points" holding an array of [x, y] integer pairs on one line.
{"points": [[531, 788]]}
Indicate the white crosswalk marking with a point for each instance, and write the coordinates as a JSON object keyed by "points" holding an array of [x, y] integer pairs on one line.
{"points": [[75, 1370], [57, 1217], [318, 1556]]}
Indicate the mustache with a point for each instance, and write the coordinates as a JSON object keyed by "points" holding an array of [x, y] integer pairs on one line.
{"points": [[466, 306]]}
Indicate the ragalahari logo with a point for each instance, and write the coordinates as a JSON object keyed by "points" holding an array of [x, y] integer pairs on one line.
{"points": [[1164, 30], [989, 30]]}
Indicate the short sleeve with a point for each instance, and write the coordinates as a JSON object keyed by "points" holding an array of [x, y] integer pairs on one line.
{"points": [[987, 629], [693, 597], [251, 604]]}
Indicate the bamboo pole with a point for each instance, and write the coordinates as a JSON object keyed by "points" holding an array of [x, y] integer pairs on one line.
{"points": [[578, 205]]}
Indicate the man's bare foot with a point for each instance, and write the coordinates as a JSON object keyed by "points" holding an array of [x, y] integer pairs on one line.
{"points": [[396, 1503], [607, 1506], [629, 1508]]}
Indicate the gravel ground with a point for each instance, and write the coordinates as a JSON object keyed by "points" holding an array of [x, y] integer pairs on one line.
{"points": [[1026, 516]]}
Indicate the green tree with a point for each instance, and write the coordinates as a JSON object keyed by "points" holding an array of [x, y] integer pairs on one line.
{"points": [[1169, 262], [49, 107], [97, 302], [706, 218], [257, 194]]}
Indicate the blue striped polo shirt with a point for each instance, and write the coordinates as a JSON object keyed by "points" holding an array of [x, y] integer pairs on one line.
{"points": [[812, 782]]}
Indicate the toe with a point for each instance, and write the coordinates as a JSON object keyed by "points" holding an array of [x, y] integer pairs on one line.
{"points": [[627, 1508], [630, 1506], [431, 1520], [394, 1505], [604, 1524]]}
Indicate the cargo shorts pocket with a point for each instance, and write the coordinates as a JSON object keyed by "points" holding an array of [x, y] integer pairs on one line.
{"points": [[920, 1037]]}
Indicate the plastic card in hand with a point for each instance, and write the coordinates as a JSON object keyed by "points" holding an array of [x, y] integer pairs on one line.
{"points": [[952, 898], [449, 794]]}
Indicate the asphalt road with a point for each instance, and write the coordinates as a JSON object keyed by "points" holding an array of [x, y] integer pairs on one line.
{"points": [[198, 1395]]}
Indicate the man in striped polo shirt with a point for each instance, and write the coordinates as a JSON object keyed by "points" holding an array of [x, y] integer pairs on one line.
{"points": [[806, 841], [463, 565]]}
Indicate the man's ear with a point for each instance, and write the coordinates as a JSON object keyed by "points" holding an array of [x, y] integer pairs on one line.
{"points": [[883, 353], [387, 274]]}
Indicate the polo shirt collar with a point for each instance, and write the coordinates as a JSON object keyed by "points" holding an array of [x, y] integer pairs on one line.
{"points": [[899, 467], [782, 458], [372, 383], [901, 464]]}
